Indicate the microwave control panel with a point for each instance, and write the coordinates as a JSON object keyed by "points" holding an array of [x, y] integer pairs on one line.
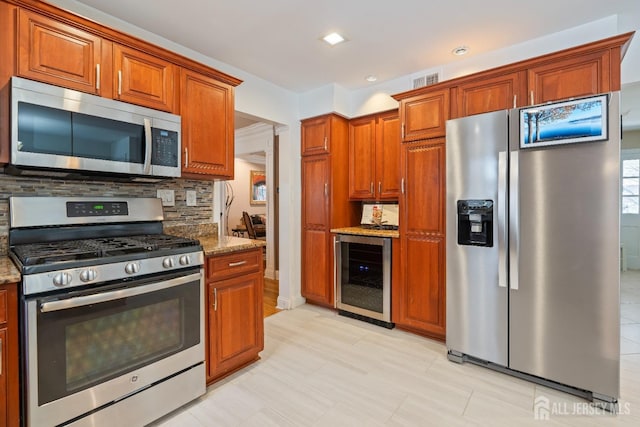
{"points": [[165, 147]]}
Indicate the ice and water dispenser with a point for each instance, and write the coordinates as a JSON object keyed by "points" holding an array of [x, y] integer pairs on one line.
{"points": [[475, 222]]}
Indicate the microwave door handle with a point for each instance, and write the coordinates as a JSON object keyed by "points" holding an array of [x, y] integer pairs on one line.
{"points": [[148, 146]]}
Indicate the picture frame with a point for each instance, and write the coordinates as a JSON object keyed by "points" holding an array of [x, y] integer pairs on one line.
{"points": [[257, 188], [568, 122]]}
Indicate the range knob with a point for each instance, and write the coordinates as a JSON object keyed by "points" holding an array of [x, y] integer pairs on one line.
{"points": [[132, 268], [88, 275], [167, 263], [184, 260], [62, 279]]}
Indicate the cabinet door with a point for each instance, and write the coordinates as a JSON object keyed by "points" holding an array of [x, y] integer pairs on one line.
{"points": [[422, 295], [9, 362], [3, 376], [362, 158], [315, 136], [498, 93], [421, 305], [422, 205], [388, 156], [425, 116], [57, 53], [317, 267], [580, 76], [144, 79], [235, 323], [315, 192], [206, 107]]}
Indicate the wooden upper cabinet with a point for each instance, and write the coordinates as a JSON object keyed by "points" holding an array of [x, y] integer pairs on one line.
{"points": [[57, 53], [362, 158], [144, 79], [388, 155], [570, 78], [425, 116], [315, 136], [374, 157], [206, 107], [491, 94]]}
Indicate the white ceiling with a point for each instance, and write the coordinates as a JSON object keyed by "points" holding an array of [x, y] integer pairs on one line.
{"points": [[278, 40]]}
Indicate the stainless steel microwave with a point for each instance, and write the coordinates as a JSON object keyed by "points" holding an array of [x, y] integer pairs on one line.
{"points": [[58, 129]]}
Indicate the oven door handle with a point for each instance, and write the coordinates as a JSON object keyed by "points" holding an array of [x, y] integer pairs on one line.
{"points": [[114, 295]]}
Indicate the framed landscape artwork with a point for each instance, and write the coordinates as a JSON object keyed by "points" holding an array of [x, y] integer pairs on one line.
{"points": [[258, 188]]}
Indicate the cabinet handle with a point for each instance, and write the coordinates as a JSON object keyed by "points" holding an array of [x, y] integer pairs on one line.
{"points": [[326, 189], [531, 95], [119, 82], [325, 143], [236, 264], [379, 187], [514, 101], [371, 187], [186, 157], [402, 186], [97, 76], [215, 299]]}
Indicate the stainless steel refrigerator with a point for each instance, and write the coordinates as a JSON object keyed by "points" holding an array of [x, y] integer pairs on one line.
{"points": [[533, 244]]}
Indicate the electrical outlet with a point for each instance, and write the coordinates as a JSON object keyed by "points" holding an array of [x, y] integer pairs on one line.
{"points": [[167, 196], [191, 198]]}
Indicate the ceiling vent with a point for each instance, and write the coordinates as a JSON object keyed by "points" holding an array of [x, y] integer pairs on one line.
{"points": [[429, 79]]}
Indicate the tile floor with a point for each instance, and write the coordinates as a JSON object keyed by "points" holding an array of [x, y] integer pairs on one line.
{"points": [[321, 369]]}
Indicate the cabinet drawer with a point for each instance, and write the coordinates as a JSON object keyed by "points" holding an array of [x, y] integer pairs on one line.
{"points": [[233, 264], [3, 306]]}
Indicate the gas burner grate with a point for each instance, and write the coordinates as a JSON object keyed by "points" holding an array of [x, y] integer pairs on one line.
{"points": [[73, 250]]}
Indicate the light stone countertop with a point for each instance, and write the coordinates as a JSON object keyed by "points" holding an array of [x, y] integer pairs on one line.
{"points": [[214, 246], [9, 273], [360, 231]]}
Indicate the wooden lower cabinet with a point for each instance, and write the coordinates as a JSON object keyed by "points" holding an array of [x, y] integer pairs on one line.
{"points": [[234, 317], [419, 290], [317, 268], [420, 295], [9, 380]]}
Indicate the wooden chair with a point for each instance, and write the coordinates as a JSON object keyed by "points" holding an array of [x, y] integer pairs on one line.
{"points": [[251, 230]]}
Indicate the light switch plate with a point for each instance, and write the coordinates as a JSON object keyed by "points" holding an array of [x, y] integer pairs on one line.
{"points": [[191, 198], [167, 196]]}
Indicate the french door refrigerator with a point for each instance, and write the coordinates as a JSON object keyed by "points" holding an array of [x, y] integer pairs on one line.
{"points": [[533, 244]]}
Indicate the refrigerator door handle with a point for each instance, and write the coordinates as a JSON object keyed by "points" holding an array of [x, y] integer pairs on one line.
{"points": [[514, 220], [502, 225]]}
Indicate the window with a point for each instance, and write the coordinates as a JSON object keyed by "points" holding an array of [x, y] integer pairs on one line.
{"points": [[631, 186]]}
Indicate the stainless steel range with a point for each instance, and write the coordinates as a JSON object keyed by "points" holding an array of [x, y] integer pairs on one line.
{"points": [[112, 321]]}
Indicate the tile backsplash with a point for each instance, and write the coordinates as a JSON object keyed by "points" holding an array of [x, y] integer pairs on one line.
{"points": [[176, 217]]}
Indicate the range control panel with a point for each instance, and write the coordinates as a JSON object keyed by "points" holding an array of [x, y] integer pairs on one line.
{"points": [[79, 209]]}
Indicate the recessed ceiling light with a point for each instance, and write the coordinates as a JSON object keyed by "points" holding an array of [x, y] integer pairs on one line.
{"points": [[333, 38], [371, 78], [460, 50]]}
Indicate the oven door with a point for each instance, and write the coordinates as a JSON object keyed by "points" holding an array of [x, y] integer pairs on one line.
{"points": [[87, 349]]}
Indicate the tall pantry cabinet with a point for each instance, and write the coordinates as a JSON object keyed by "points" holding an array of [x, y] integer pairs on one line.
{"points": [[325, 201]]}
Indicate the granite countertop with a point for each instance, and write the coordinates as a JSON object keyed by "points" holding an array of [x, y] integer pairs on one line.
{"points": [[360, 231], [8, 271], [213, 246]]}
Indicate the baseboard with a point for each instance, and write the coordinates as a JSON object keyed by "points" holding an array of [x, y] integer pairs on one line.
{"points": [[271, 274], [288, 304]]}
